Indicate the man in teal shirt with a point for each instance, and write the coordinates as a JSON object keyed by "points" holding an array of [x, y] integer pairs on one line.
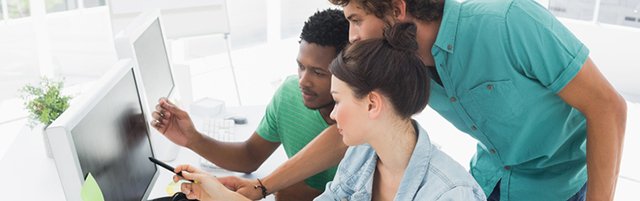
{"points": [[513, 77], [298, 112]]}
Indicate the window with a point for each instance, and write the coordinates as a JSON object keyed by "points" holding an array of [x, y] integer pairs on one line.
{"points": [[93, 3], [18, 8], [575, 9], [625, 13], [60, 5]]}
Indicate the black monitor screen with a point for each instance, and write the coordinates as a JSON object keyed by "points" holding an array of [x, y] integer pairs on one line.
{"points": [[113, 145], [154, 63]]}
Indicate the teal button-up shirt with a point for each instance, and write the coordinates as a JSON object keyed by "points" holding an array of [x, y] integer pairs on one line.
{"points": [[502, 63]]}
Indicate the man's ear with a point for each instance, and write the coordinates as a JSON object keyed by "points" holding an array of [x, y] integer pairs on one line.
{"points": [[375, 104], [400, 10]]}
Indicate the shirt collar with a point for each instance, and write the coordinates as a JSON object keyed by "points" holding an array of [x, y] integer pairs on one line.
{"points": [[414, 173], [449, 26], [418, 166]]}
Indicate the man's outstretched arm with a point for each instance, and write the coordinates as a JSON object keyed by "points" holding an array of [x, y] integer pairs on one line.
{"points": [[323, 152], [175, 124]]}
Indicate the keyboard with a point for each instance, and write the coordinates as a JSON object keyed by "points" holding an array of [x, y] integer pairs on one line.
{"points": [[218, 129]]}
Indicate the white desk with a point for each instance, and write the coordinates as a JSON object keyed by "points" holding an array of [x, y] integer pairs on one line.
{"points": [[27, 174]]}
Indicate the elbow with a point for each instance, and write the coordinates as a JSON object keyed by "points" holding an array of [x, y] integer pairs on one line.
{"points": [[623, 107], [248, 169], [247, 172], [244, 165], [251, 164], [251, 168], [611, 110], [619, 107], [616, 111]]}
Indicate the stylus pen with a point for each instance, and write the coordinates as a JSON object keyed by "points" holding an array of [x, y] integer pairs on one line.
{"points": [[166, 166]]}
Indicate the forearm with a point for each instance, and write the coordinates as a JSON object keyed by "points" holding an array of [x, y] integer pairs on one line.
{"points": [[234, 156], [236, 197], [323, 152], [605, 137]]}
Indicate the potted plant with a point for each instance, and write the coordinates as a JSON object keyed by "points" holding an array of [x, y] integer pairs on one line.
{"points": [[45, 103]]}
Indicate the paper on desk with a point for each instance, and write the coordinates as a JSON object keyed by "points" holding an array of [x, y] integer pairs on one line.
{"points": [[90, 190], [174, 187]]}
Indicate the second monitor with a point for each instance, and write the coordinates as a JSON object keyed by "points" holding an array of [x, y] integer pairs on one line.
{"points": [[143, 41]]}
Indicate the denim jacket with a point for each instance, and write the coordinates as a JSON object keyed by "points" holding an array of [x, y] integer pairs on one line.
{"points": [[430, 175]]}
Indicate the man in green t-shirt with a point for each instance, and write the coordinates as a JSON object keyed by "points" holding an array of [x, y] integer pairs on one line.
{"points": [[297, 113]]}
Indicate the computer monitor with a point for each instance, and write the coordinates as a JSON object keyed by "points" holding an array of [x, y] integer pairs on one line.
{"points": [[106, 135], [143, 41]]}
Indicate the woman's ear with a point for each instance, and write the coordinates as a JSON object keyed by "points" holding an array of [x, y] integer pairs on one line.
{"points": [[375, 104], [400, 10]]}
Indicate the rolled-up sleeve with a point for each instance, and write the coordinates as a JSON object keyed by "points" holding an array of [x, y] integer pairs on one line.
{"points": [[543, 48]]}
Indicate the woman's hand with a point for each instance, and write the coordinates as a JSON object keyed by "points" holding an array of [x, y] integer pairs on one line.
{"points": [[242, 186], [205, 187]]}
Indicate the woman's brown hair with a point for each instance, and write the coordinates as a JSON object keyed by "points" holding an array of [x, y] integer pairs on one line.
{"points": [[389, 65]]}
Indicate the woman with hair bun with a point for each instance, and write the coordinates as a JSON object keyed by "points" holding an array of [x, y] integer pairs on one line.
{"points": [[377, 86]]}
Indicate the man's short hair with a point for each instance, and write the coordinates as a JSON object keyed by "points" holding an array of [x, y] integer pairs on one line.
{"points": [[327, 28], [425, 10]]}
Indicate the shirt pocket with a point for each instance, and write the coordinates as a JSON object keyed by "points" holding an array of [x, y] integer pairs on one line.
{"points": [[495, 101]]}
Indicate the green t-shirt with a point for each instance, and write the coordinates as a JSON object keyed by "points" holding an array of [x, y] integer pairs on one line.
{"points": [[294, 125]]}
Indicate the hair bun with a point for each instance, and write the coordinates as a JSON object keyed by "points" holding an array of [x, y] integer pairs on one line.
{"points": [[402, 36]]}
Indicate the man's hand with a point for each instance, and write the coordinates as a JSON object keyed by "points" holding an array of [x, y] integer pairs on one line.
{"points": [[174, 123], [245, 187]]}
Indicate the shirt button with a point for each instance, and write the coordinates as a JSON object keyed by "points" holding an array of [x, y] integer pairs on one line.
{"points": [[474, 128], [449, 47], [493, 151], [441, 65], [507, 167], [490, 86], [453, 99]]}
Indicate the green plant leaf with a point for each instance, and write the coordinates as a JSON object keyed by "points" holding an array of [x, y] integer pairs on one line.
{"points": [[44, 102]]}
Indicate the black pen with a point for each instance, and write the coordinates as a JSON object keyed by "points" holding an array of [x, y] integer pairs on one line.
{"points": [[166, 166]]}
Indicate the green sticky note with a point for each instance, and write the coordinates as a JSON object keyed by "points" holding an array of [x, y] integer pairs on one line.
{"points": [[90, 190]]}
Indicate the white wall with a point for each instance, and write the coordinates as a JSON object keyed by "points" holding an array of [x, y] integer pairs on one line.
{"points": [[616, 52], [81, 43], [292, 20], [248, 19], [18, 56]]}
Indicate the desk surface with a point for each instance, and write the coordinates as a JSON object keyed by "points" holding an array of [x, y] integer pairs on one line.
{"points": [[29, 174]]}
